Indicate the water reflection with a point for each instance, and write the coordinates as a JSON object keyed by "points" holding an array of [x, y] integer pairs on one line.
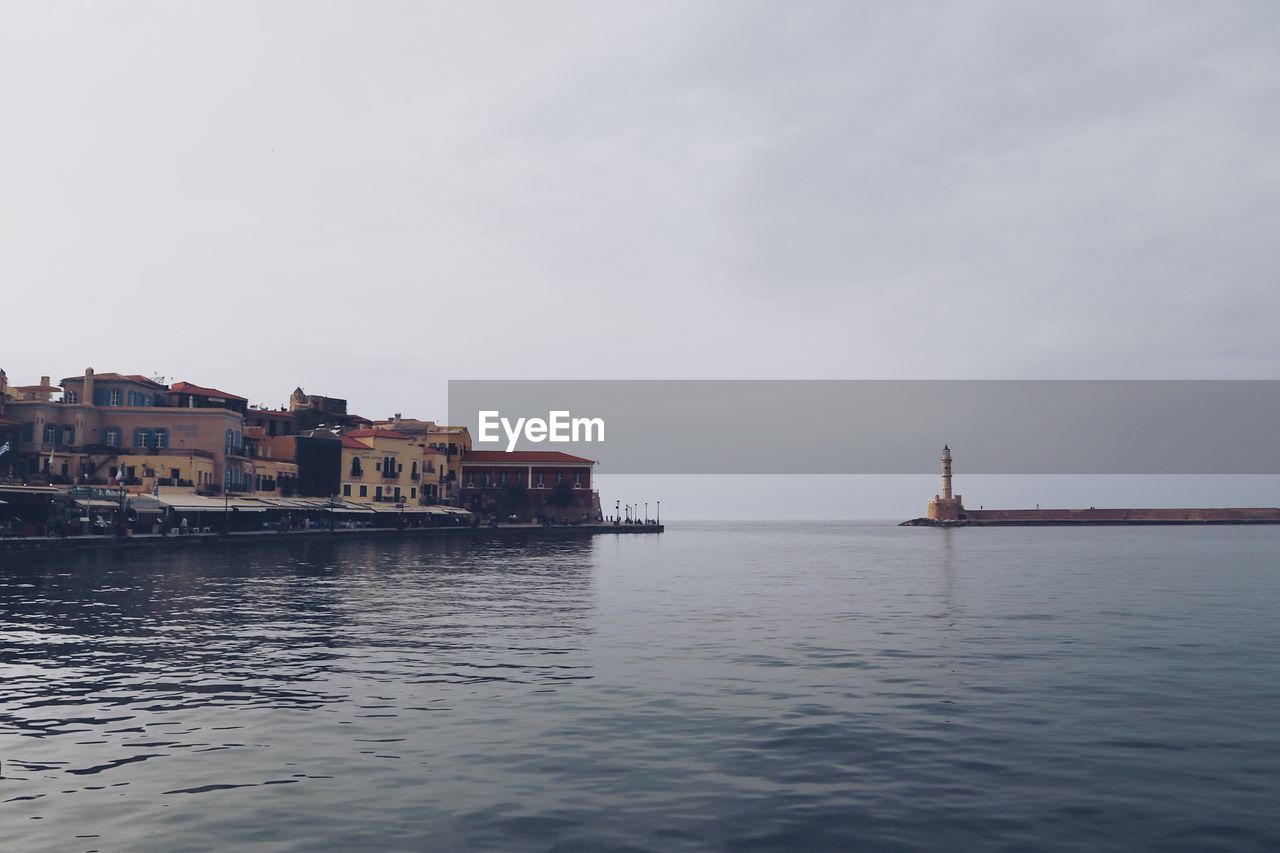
{"points": [[113, 660], [820, 686]]}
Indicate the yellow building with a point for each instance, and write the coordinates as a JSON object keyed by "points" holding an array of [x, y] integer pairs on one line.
{"points": [[452, 442], [190, 470], [380, 466], [455, 441]]}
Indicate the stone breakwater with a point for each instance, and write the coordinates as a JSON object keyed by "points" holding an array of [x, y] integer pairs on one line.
{"points": [[266, 537], [1067, 517]]}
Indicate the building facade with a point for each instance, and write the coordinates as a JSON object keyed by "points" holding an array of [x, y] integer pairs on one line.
{"points": [[109, 420], [532, 485], [380, 466]]}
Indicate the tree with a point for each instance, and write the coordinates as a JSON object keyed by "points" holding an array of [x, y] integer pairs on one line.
{"points": [[514, 495], [561, 495]]}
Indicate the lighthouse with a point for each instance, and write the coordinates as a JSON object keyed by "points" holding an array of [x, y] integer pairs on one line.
{"points": [[946, 506], [946, 473]]}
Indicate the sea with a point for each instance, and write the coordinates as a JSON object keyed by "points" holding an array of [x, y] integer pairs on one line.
{"points": [[721, 686]]}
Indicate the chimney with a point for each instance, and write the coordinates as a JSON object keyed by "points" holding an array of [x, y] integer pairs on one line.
{"points": [[87, 397]]}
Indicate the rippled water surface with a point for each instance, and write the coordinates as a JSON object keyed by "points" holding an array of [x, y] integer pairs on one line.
{"points": [[800, 686]]}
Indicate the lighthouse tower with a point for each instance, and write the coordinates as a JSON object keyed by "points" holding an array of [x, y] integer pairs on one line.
{"points": [[946, 506]]}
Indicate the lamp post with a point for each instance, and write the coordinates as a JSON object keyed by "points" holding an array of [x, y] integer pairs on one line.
{"points": [[658, 520], [226, 504], [333, 502], [646, 512]]}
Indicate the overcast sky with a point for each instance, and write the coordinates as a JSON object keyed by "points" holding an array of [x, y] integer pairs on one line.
{"points": [[368, 199]]}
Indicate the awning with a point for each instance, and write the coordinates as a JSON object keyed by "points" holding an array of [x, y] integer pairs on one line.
{"points": [[95, 503]]}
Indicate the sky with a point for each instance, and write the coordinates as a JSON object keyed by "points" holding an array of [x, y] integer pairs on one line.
{"points": [[368, 200]]}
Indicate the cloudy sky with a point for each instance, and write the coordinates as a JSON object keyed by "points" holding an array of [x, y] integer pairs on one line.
{"points": [[368, 199]]}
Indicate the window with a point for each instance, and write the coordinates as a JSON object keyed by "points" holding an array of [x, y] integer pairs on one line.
{"points": [[111, 436], [160, 438], [50, 434], [413, 493], [71, 397], [364, 491], [413, 471], [69, 435], [230, 436], [142, 437], [115, 397], [346, 490], [377, 466], [356, 470]]}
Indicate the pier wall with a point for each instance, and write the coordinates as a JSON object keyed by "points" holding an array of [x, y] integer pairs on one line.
{"points": [[1123, 515]]}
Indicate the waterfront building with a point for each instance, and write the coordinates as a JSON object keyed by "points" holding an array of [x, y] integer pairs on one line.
{"points": [[272, 474], [380, 466], [435, 488], [455, 443], [107, 420], [318, 453], [274, 422], [451, 442], [529, 484], [186, 395]]}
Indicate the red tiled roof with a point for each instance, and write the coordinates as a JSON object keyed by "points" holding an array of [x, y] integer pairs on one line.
{"points": [[375, 433], [200, 390], [434, 450], [523, 457], [348, 441], [116, 377]]}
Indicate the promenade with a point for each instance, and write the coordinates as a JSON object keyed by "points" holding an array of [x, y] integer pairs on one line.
{"points": [[258, 537]]}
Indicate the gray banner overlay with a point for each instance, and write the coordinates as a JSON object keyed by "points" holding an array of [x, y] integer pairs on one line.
{"points": [[898, 426]]}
